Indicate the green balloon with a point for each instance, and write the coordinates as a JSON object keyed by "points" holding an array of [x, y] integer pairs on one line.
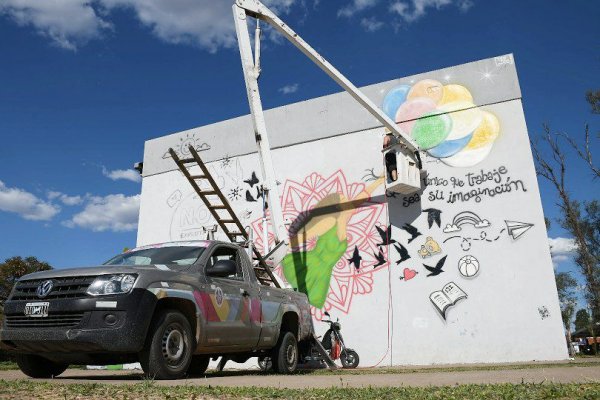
{"points": [[310, 271], [431, 129]]}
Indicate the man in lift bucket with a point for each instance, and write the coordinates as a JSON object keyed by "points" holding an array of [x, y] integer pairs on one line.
{"points": [[391, 166]]}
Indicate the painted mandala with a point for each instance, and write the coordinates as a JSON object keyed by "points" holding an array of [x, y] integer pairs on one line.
{"points": [[347, 281]]}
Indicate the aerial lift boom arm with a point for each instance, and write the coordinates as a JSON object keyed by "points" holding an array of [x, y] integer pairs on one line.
{"points": [[251, 66]]}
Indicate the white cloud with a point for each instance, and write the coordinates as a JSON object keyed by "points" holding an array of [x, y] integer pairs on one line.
{"points": [[207, 24], [371, 24], [65, 199], [26, 204], [412, 10], [115, 212], [562, 246], [562, 249], [289, 89], [204, 23], [68, 23], [127, 174], [354, 7]]}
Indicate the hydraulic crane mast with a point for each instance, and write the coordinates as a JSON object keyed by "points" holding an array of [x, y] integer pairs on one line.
{"points": [[242, 9]]}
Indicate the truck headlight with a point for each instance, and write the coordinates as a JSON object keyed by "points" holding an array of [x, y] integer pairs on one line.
{"points": [[112, 284]]}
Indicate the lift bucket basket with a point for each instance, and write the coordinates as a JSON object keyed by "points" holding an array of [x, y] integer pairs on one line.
{"points": [[407, 166]]}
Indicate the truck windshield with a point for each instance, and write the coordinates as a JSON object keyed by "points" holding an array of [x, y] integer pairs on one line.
{"points": [[177, 255]]}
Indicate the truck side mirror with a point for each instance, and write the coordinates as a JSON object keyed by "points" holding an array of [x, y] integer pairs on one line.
{"points": [[222, 269]]}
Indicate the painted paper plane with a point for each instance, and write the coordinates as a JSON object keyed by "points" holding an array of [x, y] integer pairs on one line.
{"points": [[517, 229]]}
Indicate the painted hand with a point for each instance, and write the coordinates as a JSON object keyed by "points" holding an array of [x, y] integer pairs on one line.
{"points": [[310, 271]]}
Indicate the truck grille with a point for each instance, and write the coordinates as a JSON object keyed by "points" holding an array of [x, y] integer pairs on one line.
{"points": [[64, 288], [63, 320]]}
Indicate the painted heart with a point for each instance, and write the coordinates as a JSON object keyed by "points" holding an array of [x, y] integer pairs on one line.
{"points": [[409, 274]]}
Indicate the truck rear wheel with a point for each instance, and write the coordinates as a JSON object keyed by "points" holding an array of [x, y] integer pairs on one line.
{"points": [[169, 346], [39, 367], [285, 354]]}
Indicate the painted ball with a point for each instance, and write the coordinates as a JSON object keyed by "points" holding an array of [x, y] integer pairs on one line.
{"points": [[393, 99], [468, 266]]}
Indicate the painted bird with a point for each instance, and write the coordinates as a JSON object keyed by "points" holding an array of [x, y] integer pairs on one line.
{"points": [[433, 271], [433, 215], [249, 197], [356, 258], [403, 253], [253, 180], [386, 236], [380, 259], [412, 231]]}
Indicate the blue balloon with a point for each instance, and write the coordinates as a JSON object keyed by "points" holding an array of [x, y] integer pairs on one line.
{"points": [[450, 147], [393, 99]]}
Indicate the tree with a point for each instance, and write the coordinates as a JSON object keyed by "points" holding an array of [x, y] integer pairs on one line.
{"points": [[14, 268], [593, 97], [565, 285], [582, 319], [582, 221]]}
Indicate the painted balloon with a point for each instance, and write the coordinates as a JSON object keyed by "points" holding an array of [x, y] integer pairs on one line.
{"points": [[469, 158], [454, 93], [411, 110], [466, 117], [431, 130], [427, 88], [487, 132], [443, 120], [449, 148], [393, 99]]}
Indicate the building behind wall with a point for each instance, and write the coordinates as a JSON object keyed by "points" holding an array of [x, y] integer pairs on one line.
{"points": [[467, 264]]}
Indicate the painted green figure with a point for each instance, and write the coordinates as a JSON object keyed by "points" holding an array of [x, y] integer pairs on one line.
{"points": [[310, 272]]}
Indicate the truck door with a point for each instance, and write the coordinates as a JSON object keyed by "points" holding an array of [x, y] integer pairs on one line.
{"points": [[228, 304]]}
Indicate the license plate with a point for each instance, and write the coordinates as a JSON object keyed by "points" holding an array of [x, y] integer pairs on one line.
{"points": [[38, 310]]}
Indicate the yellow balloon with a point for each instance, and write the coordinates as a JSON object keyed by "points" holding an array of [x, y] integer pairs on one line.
{"points": [[466, 117], [486, 133], [454, 93], [427, 88]]}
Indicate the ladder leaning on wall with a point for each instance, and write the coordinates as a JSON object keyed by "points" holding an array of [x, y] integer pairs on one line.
{"points": [[217, 204]]}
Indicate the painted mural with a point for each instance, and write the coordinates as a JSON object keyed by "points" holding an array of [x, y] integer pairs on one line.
{"points": [[459, 265], [338, 239], [444, 121]]}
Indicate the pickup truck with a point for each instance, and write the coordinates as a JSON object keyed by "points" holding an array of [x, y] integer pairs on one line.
{"points": [[171, 306]]}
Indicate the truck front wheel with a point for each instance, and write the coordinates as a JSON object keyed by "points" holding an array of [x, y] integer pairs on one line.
{"points": [[285, 354], [169, 346], [39, 367], [198, 366]]}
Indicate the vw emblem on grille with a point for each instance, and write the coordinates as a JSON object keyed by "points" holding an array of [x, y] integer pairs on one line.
{"points": [[44, 289]]}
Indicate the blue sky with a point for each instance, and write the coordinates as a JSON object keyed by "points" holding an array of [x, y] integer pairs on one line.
{"points": [[84, 83]]}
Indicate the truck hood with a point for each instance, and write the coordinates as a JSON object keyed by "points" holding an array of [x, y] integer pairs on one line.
{"points": [[102, 270]]}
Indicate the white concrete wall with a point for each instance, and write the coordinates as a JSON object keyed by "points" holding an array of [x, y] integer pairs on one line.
{"points": [[327, 147]]}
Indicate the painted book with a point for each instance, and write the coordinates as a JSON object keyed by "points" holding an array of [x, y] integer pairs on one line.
{"points": [[447, 297]]}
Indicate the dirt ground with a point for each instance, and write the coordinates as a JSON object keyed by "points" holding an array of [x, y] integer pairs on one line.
{"points": [[565, 372]]}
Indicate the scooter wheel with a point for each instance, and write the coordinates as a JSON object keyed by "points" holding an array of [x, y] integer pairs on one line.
{"points": [[349, 359]]}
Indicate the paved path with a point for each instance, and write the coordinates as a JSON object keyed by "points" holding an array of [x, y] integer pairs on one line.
{"points": [[581, 372]]}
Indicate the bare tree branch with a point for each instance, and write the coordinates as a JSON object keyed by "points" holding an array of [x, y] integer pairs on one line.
{"points": [[585, 153]]}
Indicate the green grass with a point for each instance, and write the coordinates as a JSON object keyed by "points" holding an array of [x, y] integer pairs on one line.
{"points": [[7, 365], [149, 390]]}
